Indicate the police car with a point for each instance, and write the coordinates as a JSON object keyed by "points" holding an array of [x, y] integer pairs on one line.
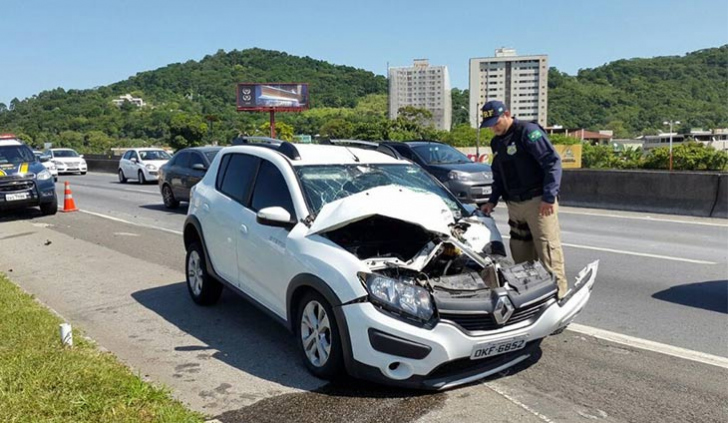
{"points": [[24, 181]]}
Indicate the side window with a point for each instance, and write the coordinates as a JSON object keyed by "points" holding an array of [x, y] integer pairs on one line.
{"points": [[182, 159], [271, 189], [235, 176], [127, 155], [134, 155], [195, 159], [404, 151]]}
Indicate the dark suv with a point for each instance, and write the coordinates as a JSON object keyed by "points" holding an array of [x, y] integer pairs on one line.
{"points": [[182, 172], [469, 181], [24, 181]]}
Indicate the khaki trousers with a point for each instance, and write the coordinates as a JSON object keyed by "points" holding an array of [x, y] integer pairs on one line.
{"points": [[535, 237]]}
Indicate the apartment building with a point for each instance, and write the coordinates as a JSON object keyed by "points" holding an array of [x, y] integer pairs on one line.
{"points": [[521, 82], [422, 86]]}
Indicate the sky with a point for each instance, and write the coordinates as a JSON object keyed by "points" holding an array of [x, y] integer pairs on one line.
{"points": [[79, 44]]}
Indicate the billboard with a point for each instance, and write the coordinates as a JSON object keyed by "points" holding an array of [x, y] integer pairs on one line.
{"points": [[271, 96]]}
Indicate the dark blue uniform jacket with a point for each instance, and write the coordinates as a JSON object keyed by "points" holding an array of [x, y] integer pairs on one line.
{"points": [[525, 164]]}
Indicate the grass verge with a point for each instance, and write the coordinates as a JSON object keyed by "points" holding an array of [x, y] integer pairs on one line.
{"points": [[41, 381]]}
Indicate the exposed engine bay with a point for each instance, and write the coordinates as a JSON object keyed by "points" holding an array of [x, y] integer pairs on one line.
{"points": [[469, 266]]}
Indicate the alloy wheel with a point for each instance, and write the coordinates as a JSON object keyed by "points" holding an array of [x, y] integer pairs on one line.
{"points": [[194, 273], [316, 333]]}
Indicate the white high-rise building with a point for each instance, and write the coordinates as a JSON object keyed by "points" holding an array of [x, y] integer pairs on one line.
{"points": [[422, 86], [521, 82]]}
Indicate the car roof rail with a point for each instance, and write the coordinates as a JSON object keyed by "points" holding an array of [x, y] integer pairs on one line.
{"points": [[372, 145], [390, 151], [284, 147]]}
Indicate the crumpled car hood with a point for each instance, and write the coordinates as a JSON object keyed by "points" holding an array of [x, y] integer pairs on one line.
{"points": [[424, 209]]}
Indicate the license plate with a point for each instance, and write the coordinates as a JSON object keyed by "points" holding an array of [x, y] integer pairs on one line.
{"points": [[16, 197], [498, 347], [482, 190]]}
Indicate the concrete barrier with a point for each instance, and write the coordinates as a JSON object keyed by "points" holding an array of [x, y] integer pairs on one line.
{"points": [[721, 201], [686, 193], [102, 163]]}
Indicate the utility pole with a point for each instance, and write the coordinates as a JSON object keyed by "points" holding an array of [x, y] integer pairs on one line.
{"points": [[670, 123]]}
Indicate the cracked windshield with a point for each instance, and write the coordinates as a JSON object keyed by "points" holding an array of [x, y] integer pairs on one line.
{"points": [[324, 184]]}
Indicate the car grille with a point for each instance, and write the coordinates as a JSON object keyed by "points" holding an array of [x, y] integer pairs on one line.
{"points": [[485, 321], [12, 186]]}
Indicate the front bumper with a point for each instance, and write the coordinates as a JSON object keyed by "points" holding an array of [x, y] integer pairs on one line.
{"points": [[470, 191], [448, 363], [22, 193], [151, 175], [71, 167]]}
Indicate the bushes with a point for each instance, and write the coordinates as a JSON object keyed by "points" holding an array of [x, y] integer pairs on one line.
{"points": [[687, 156]]}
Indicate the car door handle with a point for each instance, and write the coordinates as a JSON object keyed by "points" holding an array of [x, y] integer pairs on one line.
{"points": [[243, 229]]}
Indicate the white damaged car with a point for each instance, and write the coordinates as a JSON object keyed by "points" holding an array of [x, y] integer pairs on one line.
{"points": [[373, 265]]}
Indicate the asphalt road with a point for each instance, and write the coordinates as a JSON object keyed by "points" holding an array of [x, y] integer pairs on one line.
{"points": [[662, 278], [123, 284]]}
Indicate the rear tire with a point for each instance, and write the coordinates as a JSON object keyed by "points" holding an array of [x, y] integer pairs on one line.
{"points": [[122, 177], [317, 337], [49, 209], [168, 196], [203, 288], [140, 177]]}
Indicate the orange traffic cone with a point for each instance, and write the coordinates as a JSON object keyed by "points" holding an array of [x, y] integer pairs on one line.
{"points": [[68, 204]]}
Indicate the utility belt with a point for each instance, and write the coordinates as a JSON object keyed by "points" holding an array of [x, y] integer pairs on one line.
{"points": [[536, 192]]}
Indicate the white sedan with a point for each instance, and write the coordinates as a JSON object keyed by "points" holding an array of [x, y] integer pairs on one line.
{"points": [[142, 164], [67, 160], [46, 160]]}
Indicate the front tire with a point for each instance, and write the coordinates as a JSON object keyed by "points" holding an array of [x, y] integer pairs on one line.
{"points": [[203, 288], [83, 173], [317, 337], [168, 196], [49, 209], [122, 177], [140, 177]]}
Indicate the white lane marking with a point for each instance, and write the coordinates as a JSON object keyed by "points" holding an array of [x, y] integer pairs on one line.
{"points": [[653, 346], [116, 219], [631, 253], [518, 403], [648, 218], [101, 187]]}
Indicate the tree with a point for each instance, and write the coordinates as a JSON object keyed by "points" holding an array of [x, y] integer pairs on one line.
{"points": [[186, 130], [336, 129], [284, 131]]}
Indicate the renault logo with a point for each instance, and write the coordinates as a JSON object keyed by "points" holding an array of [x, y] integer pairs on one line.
{"points": [[503, 310]]}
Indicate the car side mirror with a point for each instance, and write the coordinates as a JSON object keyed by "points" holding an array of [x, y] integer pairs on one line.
{"points": [[275, 216], [199, 166], [44, 159], [134, 160], [81, 156]]}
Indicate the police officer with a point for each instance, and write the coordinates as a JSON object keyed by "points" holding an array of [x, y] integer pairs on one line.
{"points": [[527, 174]]}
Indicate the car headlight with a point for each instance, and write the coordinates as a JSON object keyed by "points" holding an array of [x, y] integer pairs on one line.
{"points": [[43, 175], [151, 167], [411, 300], [458, 176]]}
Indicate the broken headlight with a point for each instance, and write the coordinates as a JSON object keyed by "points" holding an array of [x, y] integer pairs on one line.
{"points": [[401, 297]]}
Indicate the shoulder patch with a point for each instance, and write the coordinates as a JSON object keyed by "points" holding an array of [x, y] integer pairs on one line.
{"points": [[534, 135]]}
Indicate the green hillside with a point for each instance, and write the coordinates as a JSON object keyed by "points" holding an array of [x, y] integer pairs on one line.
{"points": [[635, 96], [194, 102]]}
